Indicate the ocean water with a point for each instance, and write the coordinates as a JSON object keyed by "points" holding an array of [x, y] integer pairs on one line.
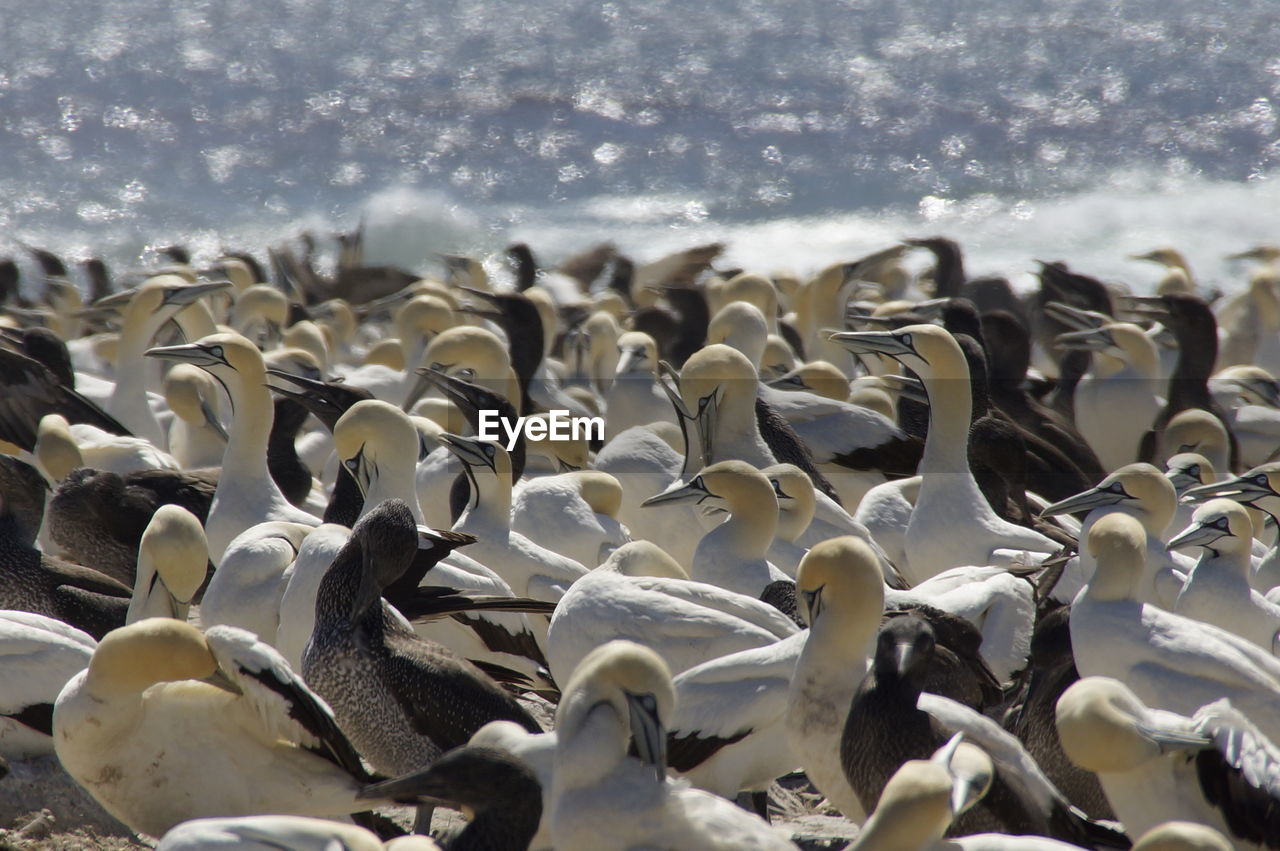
{"points": [[797, 134]]}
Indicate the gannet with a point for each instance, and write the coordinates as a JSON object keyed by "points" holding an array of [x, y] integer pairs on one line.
{"points": [[633, 397], [268, 833], [1250, 395], [840, 591], [1182, 836], [246, 493], [247, 588], [224, 729], [1195, 430], [952, 524], [38, 655], [1213, 766], [531, 570], [1258, 488], [1169, 660], [733, 554], [98, 517], [924, 797], [403, 700], [61, 448], [371, 439], [499, 792], [172, 560], [1140, 491], [1123, 377], [641, 594], [573, 513], [197, 437], [601, 798], [890, 721], [1187, 470], [796, 505], [1217, 589], [148, 308]]}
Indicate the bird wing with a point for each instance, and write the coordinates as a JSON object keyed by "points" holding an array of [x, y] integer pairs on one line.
{"points": [[749, 609], [32, 391], [288, 709], [1240, 772]]}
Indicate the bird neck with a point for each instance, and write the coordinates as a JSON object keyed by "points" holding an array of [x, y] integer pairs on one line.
{"points": [[950, 409], [245, 459], [749, 531]]}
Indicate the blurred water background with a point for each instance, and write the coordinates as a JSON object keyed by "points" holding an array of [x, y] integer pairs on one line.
{"points": [[797, 133]]}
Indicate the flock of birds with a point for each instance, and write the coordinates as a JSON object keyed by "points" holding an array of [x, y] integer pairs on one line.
{"points": [[992, 571]]}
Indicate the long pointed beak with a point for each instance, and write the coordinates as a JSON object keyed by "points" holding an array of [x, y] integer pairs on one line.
{"points": [[1241, 489], [903, 654], [1090, 340], [811, 605], [358, 466], [1081, 320], [191, 292], [694, 491], [1170, 740], [628, 359], [1195, 535], [420, 787], [647, 732], [1083, 501], [905, 385], [212, 421], [467, 450], [1267, 391], [707, 421], [871, 342], [186, 353]]}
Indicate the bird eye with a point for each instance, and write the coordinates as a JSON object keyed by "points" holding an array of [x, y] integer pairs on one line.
{"points": [[1260, 479], [1222, 523], [777, 488], [1117, 487], [216, 351], [351, 463], [488, 449], [906, 339], [467, 373]]}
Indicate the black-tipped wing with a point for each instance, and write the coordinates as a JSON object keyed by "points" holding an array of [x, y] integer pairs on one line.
{"points": [[31, 391], [283, 701]]}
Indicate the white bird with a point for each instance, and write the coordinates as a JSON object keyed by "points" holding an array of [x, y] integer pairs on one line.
{"points": [[733, 554], [1217, 589], [1167, 659], [246, 494], [172, 562], [601, 798], [1143, 492], [248, 587], [1124, 372], [197, 437], [840, 590], [61, 447], [301, 585], [641, 594], [269, 833], [952, 524], [1258, 488], [530, 569], [253, 741], [1213, 766], [924, 797], [38, 655], [634, 397], [574, 514]]}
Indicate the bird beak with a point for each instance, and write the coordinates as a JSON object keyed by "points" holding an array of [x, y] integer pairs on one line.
{"points": [[1196, 535], [691, 492], [359, 468], [1081, 320], [647, 732], [1090, 340], [631, 356], [811, 604], [468, 451], [1084, 501], [872, 342], [420, 787], [212, 421], [192, 353], [1242, 489], [707, 419], [905, 385], [191, 292], [903, 655]]}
